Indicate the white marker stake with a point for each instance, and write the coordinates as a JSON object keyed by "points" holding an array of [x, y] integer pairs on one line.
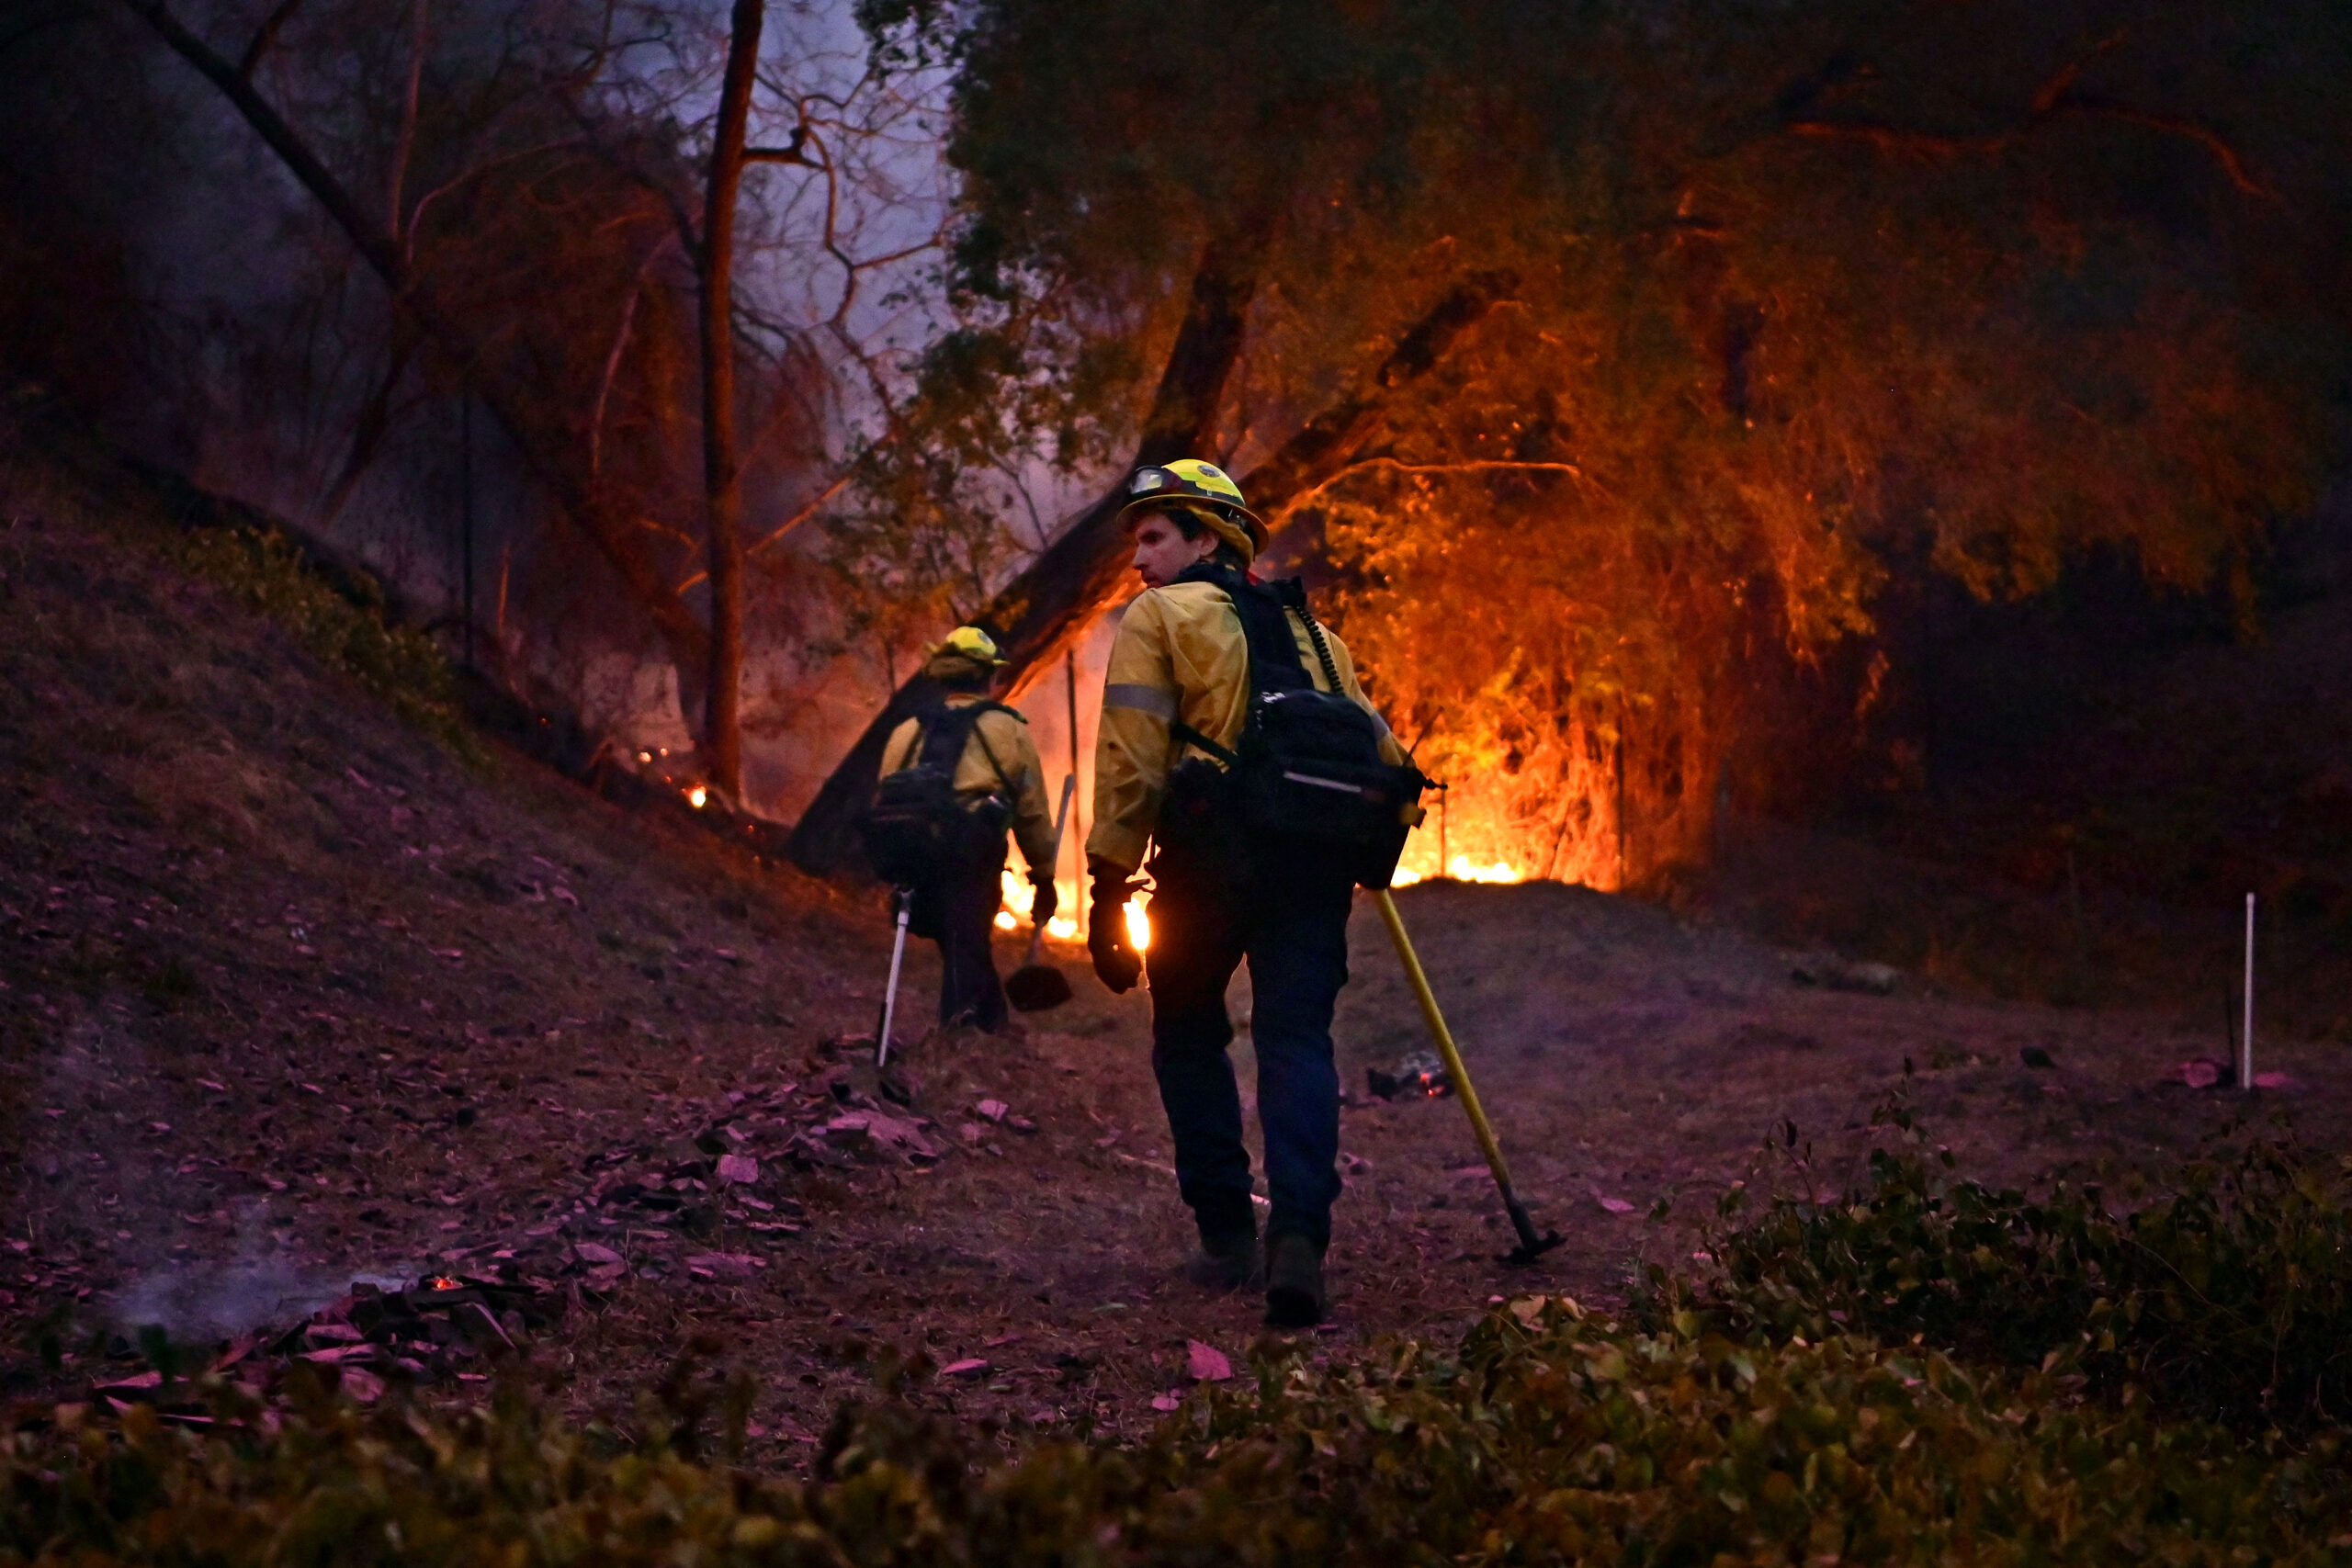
{"points": [[2245, 1025]]}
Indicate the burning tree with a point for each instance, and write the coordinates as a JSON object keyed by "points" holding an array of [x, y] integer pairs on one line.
{"points": [[1620, 373], [1803, 309]]}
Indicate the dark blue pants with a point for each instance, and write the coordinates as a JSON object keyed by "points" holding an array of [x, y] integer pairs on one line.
{"points": [[1295, 934], [958, 911]]}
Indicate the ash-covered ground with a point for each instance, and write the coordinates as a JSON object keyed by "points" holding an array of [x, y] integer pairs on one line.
{"points": [[291, 1000]]}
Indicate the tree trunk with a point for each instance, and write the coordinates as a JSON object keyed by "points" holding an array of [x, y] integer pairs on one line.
{"points": [[1044, 610], [722, 730], [544, 451]]}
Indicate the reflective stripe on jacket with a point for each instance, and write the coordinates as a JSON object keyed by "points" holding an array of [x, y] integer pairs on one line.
{"points": [[1180, 654], [1005, 736]]}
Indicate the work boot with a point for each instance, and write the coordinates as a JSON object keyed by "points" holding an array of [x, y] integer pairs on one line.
{"points": [[1294, 1282], [1225, 1262]]}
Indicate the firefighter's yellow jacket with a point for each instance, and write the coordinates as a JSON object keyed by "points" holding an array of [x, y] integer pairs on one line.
{"points": [[1180, 654], [1005, 736]]}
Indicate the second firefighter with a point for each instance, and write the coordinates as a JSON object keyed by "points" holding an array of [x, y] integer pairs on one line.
{"points": [[953, 779]]}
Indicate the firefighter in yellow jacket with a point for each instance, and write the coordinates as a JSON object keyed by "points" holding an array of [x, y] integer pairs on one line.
{"points": [[998, 777], [1175, 701]]}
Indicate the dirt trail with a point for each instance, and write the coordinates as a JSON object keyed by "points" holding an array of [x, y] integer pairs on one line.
{"points": [[288, 997]]}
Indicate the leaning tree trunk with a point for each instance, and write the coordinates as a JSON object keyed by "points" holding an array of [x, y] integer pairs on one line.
{"points": [[544, 447], [1043, 611], [1082, 565]]}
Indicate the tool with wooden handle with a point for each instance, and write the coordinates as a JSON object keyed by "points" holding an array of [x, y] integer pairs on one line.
{"points": [[1531, 1246], [1036, 986]]}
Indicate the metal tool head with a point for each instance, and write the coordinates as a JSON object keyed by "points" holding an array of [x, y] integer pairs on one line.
{"points": [[1531, 1246], [1035, 987]]}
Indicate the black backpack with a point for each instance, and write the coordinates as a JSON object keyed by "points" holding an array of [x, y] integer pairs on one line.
{"points": [[919, 827], [1309, 770]]}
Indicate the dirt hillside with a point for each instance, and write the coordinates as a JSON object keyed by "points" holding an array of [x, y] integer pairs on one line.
{"points": [[293, 997]]}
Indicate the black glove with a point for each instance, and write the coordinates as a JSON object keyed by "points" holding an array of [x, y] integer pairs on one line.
{"points": [[1117, 963], [1041, 907]]}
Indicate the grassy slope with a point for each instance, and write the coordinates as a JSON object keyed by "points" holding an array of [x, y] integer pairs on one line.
{"points": [[262, 944]]}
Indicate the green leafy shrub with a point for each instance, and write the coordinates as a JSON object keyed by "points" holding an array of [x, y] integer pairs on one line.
{"points": [[2230, 1300], [1545, 1437], [345, 629], [52, 460]]}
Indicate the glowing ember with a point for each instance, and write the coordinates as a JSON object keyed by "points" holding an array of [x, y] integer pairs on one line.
{"points": [[443, 1282], [696, 795], [1418, 1076]]}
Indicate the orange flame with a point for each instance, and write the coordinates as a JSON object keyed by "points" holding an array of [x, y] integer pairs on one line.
{"points": [[1461, 868], [1018, 895], [1139, 926]]}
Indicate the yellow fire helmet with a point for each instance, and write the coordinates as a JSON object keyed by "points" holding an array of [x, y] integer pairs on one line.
{"points": [[970, 642], [1190, 479]]}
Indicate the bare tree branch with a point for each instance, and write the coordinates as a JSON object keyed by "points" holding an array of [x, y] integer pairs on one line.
{"points": [[687, 637], [470, 173], [806, 510], [404, 143], [2232, 163], [271, 27], [368, 434], [612, 362], [1903, 140], [2056, 97], [789, 152]]}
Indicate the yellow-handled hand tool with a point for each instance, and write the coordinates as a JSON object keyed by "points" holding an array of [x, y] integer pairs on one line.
{"points": [[1531, 1246]]}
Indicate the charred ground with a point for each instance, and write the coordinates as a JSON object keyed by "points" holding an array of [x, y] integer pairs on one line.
{"points": [[295, 994]]}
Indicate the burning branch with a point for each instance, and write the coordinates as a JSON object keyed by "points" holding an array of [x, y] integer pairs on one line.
{"points": [[1932, 145], [1397, 465], [2056, 96]]}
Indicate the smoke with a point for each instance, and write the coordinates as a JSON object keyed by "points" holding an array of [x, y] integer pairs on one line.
{"points": [[119, 1193], [210, 1300]]}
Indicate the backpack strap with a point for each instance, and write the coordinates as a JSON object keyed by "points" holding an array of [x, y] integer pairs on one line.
{"points": [[1011, 794], [948, 728], [939, 740], [1190, 737], [1275, 663]]}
